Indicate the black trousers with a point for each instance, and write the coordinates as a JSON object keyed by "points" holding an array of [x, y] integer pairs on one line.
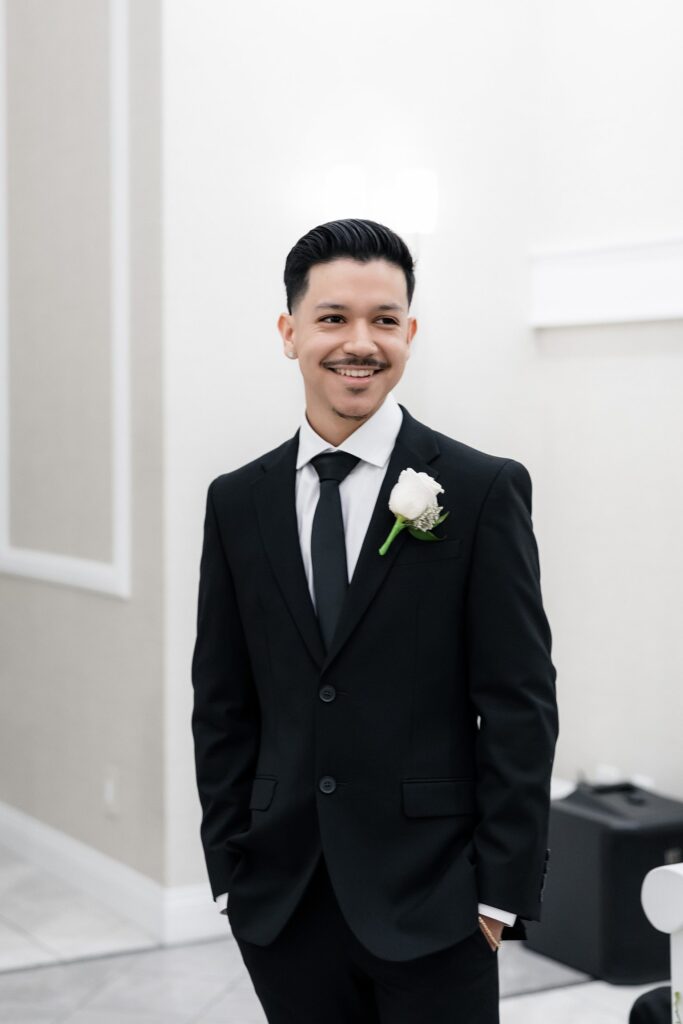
{"points": [[653, 1007], [317, 972]]}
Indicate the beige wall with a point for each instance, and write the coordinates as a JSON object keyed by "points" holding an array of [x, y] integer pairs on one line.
{"points": [[81, 672]]}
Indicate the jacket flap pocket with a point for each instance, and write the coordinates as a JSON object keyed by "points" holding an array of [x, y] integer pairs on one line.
{"points": [[424, 797], [262, 791]]}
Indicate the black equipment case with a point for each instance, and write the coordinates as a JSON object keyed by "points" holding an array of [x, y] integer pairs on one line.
{"points": [[603, 840]]}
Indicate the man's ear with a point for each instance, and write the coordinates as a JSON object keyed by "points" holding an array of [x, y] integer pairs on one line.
{"points": [[412, 329], [285, 325]]}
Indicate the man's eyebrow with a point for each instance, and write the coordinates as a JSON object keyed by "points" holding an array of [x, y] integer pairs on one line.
{"points": [[339, 305]]}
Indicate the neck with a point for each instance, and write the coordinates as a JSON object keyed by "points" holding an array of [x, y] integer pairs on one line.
{"points": [[334, 426]]}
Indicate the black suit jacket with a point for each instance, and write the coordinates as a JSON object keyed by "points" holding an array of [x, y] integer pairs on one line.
{"points": [[417, 752]]}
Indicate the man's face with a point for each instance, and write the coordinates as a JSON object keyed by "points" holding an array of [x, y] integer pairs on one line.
{"points": [[353, 315]]}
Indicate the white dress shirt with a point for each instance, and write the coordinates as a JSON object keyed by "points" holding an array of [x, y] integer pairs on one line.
{"points": [[373, 442]]}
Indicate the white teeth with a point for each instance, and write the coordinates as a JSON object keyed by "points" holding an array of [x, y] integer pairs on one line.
{"points": [[355, 373]]}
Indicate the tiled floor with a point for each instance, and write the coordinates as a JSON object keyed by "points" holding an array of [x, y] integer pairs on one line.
{"points": [[207, 983], [54, 969], [45, 921]]}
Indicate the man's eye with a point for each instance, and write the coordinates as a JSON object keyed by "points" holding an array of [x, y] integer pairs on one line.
{"points": [[335, 316]]}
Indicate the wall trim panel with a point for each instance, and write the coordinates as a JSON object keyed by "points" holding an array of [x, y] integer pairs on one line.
{"points": [[608, 284], [106, 577]]}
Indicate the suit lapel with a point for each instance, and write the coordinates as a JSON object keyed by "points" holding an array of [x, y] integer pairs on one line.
{"points": [[275, 507], [274, 495]]}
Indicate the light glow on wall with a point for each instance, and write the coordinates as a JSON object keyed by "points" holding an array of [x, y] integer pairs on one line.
{"points": [[406, 200]]}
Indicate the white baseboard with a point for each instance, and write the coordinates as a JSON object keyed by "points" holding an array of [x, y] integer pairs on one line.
{"points": [[170, 915]]}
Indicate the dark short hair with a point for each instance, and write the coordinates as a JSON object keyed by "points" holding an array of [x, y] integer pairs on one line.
{"points": [[361, 240]]}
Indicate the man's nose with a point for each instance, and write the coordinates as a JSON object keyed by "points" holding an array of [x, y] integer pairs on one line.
{"points": [[360, 338]]}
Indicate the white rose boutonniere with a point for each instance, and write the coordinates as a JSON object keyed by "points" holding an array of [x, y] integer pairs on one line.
{"points": [[413, 502]]}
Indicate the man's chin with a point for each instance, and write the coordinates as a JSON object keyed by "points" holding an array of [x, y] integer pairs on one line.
{"points": [[356, 409]]}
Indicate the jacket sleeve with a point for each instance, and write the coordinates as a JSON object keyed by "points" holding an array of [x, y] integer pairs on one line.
{"points": [[512, 687], [226, 713]]}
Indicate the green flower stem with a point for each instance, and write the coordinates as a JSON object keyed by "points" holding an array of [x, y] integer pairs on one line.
{"points": [[396, 529]]}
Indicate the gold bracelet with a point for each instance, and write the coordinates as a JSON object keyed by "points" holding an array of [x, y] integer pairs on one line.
{"points": [[497, 943]]}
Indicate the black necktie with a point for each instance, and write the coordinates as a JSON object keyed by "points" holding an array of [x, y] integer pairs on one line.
{"points": [[328, 547]]}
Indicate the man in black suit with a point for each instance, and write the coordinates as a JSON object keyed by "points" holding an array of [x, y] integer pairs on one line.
{"points": [[374, 732]]}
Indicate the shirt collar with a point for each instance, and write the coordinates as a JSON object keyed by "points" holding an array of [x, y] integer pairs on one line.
{"points": [[372, 442]]}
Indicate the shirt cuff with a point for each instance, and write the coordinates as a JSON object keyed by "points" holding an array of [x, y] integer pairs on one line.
{"points": [[500, 915], [222, 902]]}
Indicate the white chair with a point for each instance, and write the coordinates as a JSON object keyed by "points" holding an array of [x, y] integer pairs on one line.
{"points": [[661, 895]]}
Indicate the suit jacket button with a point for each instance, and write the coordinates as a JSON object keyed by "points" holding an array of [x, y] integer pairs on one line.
{"points": [[327, 784], [327, 693]]}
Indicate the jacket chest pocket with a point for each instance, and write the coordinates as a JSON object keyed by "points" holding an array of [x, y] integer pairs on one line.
{"points": [[425, 552], [424, 798]]}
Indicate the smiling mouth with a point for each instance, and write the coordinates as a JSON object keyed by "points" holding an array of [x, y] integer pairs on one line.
{"points": [[355, 373]]}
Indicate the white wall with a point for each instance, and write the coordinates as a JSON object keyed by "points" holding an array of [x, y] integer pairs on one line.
{"points": [[545, 124], [259, 113], [608, 84], [610, 148]]}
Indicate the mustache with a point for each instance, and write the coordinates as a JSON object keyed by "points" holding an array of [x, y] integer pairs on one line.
{"points": [[358, 364]]}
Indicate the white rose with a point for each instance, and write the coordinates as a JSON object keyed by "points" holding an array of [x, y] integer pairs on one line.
{"points": [[413, 494]]}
